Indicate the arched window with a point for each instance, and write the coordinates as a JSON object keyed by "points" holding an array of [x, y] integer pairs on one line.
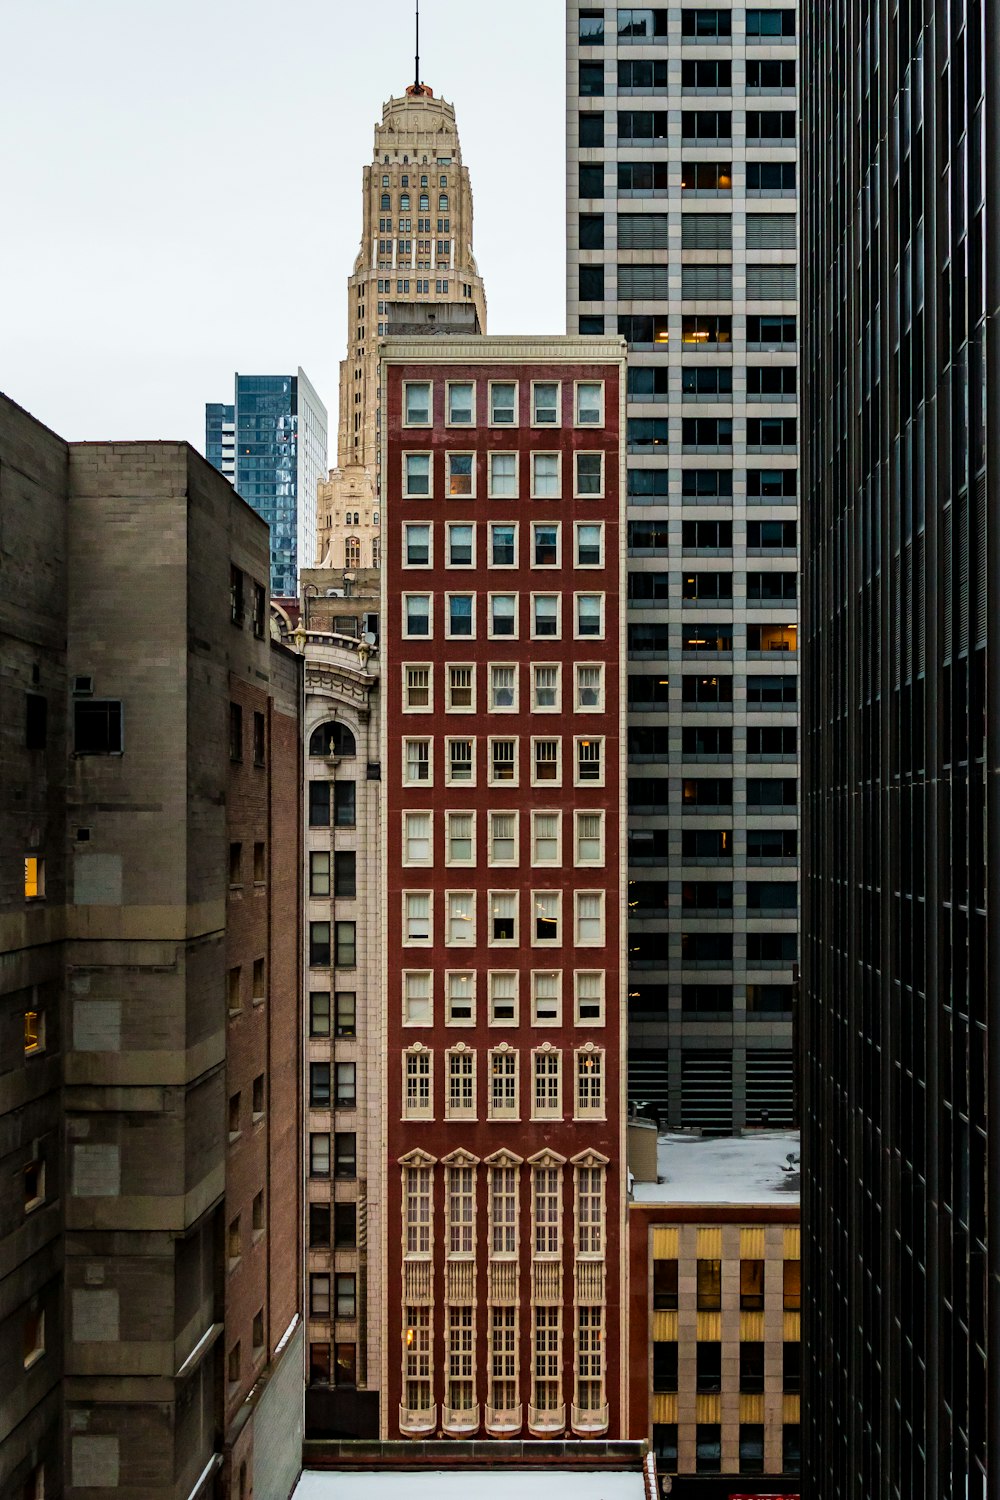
{"points": [[385, 179], [443, 203], [352, 552], [404, 203], [425, 203], [332, 738], [357, 519], [386, 203]]}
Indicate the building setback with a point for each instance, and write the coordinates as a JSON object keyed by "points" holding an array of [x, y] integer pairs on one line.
{"points": [[149, 910], [681, 234], [502, 888], [901, 143]]}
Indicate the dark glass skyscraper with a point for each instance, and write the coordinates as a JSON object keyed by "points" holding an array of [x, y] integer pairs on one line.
{"points": [[901, 743], [280, 457]]}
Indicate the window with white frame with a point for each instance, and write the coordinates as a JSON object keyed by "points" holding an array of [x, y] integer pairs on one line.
{"points": [[546, 838], [503, 686], [503, 1358], [460, 474], [461, 1097], [589, 991], [503, 917], [503, 838], [589, 918], [589, 544], [416, 616], [503, 616], [546, 997], [503, 545], [417, 762], [589, 838], [545, 404], [417, 838], [417, 1006], [589, 615], [416, 476], [416, 403], [589, 403], [503, 476], [461, 687], [589, 1356], [416, 917], [503, 403], [417, 689], [417, 1358], [461, 1195], [545, 544], [589, 475], [461, 403], [590, 1083], [503, 1207], [417, 1090], [547, 1339], [460, 616], [590, 1210], [503, 1084], [460, 848], [547, 1203], [461, 1346], [461, 545], [545, 476], [417, 1209], [590, 759], [589, 685], [546, 1097], [545, 616], [546, 687], [460, 919], [417, 544], [503, 761], [461, 762], [545, 764], [460, 997], [545, 909], [503, 997]]}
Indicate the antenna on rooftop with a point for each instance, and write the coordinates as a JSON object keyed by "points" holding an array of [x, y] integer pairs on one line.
{"points": [[416, 60]]}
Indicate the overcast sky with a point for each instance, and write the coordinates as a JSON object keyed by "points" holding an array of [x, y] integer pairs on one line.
{"points": [[181, 188]]}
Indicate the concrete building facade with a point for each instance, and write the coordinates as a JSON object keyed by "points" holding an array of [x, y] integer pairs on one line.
{"points": [[502, 889], [151, 1281], [681, 233]]}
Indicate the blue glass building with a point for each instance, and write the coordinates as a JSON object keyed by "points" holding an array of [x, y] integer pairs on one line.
{"points": [[280, 456]]}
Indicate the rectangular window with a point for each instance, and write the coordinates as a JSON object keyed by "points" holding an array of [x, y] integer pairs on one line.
{"points": [[461, 616], [97, 728], [589, 685], [665, 1366], [503, 997], [590, 615], [502, 546], [546, 687], [416, 475], [345, 1154], [319, 1085], [589, 474], [259, 738], [417, 687], [319, 945], [547, 1384], [345, 874], [345, 1226], [546, 838], [416, 917], [503, 761], [460, 838], [34, 877], [590, 1083], [547, 1184], [709, 1285], [545, 476], [319, 1225], [417, 838], [460, 474], [345, 1013], [416, 403], [461, 761], [503, 917], [417, 545], [503, 838], [461, 1198], [590, 1209], [503, 615], [545, 544], [752, 1286], [503, 403], [417, 1209], [589, 403], [417, 1085], [665, 1285], [319, 1155], [461, 1097], [503, 1212], [416, 762], [460, 919], [546, 1094], [546, 911], [546, 997], [461, 545], [545, 404], [36, 718], [545, 761], [319, 804], [460, 997], [345, 945], [545, 616], [590, 760], [503, 1084], [416, 615], [461, 403], [235, 729], [589, 838], [589, 545], [503, 476], [589, 991], [503, 687], [792, 1285], [319, 1013], [460, 687], [417, 998], [319, 872]]}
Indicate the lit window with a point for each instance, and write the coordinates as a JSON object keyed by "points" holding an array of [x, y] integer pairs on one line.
{"points": [[590, 760], [590, 1082], [34, 877], [460, 919], [34, 1032], [545, 905], [461, 474], [33, 1338]]}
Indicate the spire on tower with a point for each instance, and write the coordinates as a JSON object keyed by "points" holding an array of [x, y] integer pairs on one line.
{"points": [[416, 60]]}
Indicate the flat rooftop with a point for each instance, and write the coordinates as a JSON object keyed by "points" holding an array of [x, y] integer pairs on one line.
{"points": [[458, 1484], [752, 1168]]}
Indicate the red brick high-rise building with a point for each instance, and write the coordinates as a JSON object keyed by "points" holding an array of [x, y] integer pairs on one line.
{"points": [[503, 887]]}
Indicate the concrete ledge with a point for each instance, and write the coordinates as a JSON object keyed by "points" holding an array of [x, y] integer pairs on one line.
{"points": [[611, 1454]]}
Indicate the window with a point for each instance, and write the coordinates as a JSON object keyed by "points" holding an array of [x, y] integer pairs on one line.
{"points": [[319, 1085], [503, 761], [319, 945], [591, 128], [546, 681], [345, 945], [546, 1099], [589, 848], [503, 615], [589, 403], [791, 1366], [591, 231], [461, 761], [461, 546], [416, 762], [752, 1286], [319, 1155], [319, 872], [319, 1224], [547, 1357], [545, 404], [546, 838], [792, 1285], [319, 1364], [345, 1154], [591, 79], [460, 919], [545, 545], [589, 685], [461, 617], [259, 863], [461, 1096], [259, 740], [36, 716], [751, 1367], [503, 403], [547, 1203], [665, 1366], [791, 1448], [503, 917], [346, 1304], [417, 838], [460, 687], [461, 403], [416, 688], [416, 404], [319, 1013], [545, 764], [503, 476], [416, 545], [751, 1448], [417, 998], [665, 1285], [417, 1094], [589, 545], [503, 687], [771, 23], [235, 730], [34, 877], [545, 616], [503, 997], [503, 838], [460, 997], [545, 476], [589, 992], [502, 546], [460, 474], [345, 1225], [709, 1285], [590, 761], [416, 615], [97, 727], [416, 475], [416, 917], [417, 1210], [546, 997], [460, 838], [589, 615], [709, 1367], [589, 474], [590, 1082], [345, 1013], [461, 1200], [546, 908], [503, 1084]]}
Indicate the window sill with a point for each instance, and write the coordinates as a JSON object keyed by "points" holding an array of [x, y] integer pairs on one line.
{"points": [[32, 1204], [234, 1136], [258, 1000], [256, 1119], [33, 1358]]}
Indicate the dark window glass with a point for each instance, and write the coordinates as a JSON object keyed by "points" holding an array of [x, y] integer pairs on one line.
{"points": [[319, 1223], [752, 1286], [752, 1448], [791, 1366], [319, 945], [710, 1271], [345, 873], [319, 804], [592, 128], [751, 1367], [97, 727], [36, 719], [591, 231], [708, 1448], [591, 80], [665, 1284], [665, 1445], [344, 804], [665, 1367], [345, 956], [345, 1225], [345, 1154], [258, 738], [591, 182], [319, 1085], [591, 283]]}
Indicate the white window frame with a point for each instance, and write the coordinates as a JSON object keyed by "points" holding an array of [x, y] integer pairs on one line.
{"points": [[579, 494], [592, 1240], [511, 1072], [514, 705], [578, 860], [547, 1239], [460, 1021], [462, 594], [459, 666], [418, 864], [589, 1110], [600, 939], [588, 708], [418, 942], [546, 708], [451, 453], [491, 634], [512, 942], [429, 384], [513, 1000], [577, 527], [491, 492], [545, 453], [504, 864], [404, 480], [418, 739], [503, 567], [405, 998], [421, 594], [591, 739], [545, 864], [543, 594], [579, 594], [536, 941], [453, 1111], [449, 527], [505, 426], [577, 386], [548, 1109], [448, 388], [546, 426], [418, 1054], [547, 739], [495, 739], [459, 864], [578, 976], [546, 567], [452, 739], [417, 666], [556, 1018], [504, 1191], [460, 1230], [413, 567], [469, 940]]}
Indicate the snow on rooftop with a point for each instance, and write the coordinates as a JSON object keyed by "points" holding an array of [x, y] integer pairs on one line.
{"points": [[485, 1484], [752, 1168]]}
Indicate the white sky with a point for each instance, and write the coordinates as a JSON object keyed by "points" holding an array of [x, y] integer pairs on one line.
{"points": [[181, 188]]}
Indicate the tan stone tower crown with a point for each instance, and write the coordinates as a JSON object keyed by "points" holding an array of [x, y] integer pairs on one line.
{"points": [[415, 273]]}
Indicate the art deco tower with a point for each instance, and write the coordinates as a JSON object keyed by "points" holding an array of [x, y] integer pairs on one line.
{"points": [[415, 273]]}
